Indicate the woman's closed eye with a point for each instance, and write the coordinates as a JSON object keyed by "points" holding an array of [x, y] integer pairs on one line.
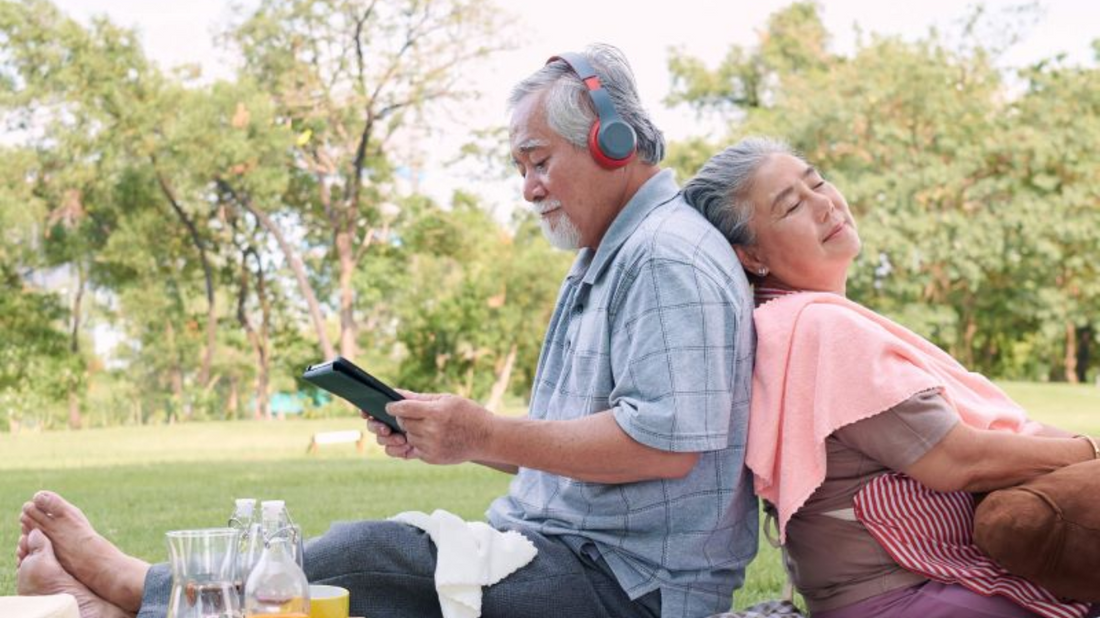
{"points": [[816, 186]]}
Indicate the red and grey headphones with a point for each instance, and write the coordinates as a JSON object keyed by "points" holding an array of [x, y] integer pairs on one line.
{"points": [[611, 141]]}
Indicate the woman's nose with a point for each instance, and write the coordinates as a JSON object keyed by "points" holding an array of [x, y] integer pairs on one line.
{"points": [[826, 207]]}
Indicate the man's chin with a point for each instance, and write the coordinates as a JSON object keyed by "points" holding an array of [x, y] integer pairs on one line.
{"points": [[564, 235], [565, 244]]}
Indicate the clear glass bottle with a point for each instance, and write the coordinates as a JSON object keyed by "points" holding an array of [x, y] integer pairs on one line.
{"points": [[277, 586], [246, 520], [244, 513], [286, 526]]}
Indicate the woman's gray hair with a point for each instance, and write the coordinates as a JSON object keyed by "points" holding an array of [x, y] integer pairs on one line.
{"points": [[720, 189], [570, 112]]}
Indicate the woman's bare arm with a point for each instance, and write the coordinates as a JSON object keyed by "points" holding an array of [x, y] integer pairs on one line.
{"points": [[969, 459]]}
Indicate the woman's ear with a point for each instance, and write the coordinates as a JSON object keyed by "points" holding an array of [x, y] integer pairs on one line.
{"points": [[750, 260]]}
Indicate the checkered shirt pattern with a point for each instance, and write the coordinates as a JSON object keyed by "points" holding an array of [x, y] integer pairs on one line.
{"points": [[655, 326]]}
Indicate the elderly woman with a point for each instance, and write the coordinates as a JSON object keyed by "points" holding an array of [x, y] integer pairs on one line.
{"points": [[864, 437]]}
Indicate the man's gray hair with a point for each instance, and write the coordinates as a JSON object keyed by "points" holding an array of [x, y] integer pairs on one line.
{"points": [[721, 187], [570, 112]]}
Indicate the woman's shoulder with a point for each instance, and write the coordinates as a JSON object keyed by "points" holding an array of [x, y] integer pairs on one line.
{"points": [[814, 310], [828, 322]]}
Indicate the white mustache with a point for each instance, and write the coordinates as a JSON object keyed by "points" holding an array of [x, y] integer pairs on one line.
{"points": [[544, 207]]}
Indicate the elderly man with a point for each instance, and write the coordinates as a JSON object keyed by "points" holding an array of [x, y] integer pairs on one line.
{"points": [[629, 466]]}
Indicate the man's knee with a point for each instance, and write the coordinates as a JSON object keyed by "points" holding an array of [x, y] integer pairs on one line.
{"points": [[372, 546]]}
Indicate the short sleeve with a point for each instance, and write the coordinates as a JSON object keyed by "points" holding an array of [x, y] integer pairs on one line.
{"points": [[673, 354], [900, 436]]}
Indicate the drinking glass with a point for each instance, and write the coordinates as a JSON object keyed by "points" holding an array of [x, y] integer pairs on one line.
{"points": [[205, 579]]}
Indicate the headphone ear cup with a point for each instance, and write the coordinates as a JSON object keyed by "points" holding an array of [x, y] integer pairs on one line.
{"points": [[614, 146]]}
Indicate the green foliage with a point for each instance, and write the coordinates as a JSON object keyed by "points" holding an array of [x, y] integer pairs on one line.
{"points": [[977, 206], [202, 224], [35, 370], [475, 295], [227, 234]]}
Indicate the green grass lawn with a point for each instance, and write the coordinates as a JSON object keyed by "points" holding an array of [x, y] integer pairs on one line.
{"points": [[135, 483]]}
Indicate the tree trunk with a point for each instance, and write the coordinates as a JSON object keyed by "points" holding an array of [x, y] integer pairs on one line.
{"points": [[258, 339], [178, 412], [500, 385], [345, 253], [1070, 358], [175, 375], [263, 385], [263, 402], [968, 341], [233, 404], [75, 418], [467, 389], [208, 275], [1084, 352], [295, 265]]}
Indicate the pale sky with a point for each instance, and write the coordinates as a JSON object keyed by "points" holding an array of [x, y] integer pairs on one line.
{"points": [[179, 32]]}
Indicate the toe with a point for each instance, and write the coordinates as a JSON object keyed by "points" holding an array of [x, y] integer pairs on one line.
{"points": [[57, 507], [34, 516], [37, 541], [39, 572], [49, 502], [26, 524]]}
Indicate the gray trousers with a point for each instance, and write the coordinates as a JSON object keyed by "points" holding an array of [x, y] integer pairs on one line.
{"points": [[389, 569]]}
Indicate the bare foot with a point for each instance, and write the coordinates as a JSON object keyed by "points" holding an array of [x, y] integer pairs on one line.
{"points": [[93, 560], [21, 550], [41, 573]]}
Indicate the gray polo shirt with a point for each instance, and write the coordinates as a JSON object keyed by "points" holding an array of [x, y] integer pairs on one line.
{"points": [[655, 326]]}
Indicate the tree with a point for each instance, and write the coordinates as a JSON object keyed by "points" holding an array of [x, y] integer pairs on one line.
{"points": [[58, 90], [475, 305], [35, 368], [976, 206], [196, 220], [350, 78], [1048, 152]]}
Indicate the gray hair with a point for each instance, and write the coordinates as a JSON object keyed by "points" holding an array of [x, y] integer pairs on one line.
{"points": [[570, 112], [720, 189]]}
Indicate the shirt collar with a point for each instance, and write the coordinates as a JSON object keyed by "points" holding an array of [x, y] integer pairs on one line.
{"points": [[658, 190]]}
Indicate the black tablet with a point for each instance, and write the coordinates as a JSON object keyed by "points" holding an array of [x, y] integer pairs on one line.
{"points": [[342, 378]]}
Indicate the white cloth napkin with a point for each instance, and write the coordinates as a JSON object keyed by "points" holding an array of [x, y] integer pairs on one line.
{"points": [[49, 606], [469, 555]]}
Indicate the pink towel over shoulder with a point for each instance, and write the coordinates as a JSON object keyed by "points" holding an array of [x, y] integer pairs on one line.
{"points": [[823, 362]]}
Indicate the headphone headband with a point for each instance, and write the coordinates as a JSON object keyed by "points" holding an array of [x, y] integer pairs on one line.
{"points": [[611, 141], [580, 66]]}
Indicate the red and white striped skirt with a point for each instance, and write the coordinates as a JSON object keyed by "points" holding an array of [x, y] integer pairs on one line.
{"points": [[931, 533]]}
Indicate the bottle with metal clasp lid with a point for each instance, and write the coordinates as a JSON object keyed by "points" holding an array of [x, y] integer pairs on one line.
{"points": [[277, 586], [246, 520]]}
